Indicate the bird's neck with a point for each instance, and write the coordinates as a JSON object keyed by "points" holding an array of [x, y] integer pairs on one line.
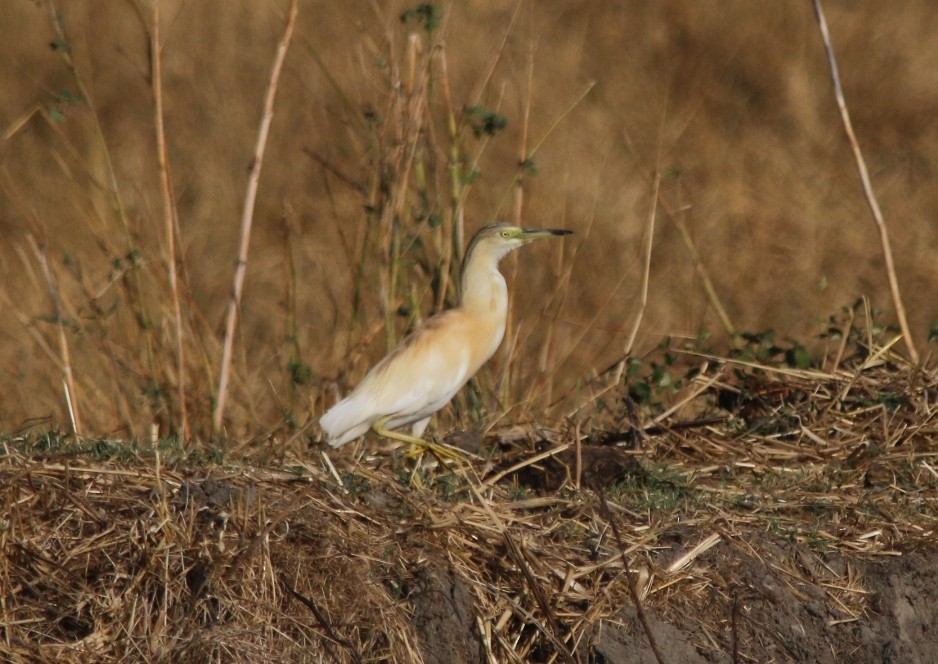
{"points": [[483, 289]]}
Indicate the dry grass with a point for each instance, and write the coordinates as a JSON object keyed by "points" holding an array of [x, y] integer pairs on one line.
{"points": [[125, 555], [386, 148]]}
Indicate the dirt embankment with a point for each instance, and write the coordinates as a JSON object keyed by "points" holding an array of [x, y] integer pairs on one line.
{"points": [[790, 516], [108, 562]]}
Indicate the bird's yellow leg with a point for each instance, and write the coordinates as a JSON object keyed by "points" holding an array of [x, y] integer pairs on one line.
{"points": [[441, 452]]}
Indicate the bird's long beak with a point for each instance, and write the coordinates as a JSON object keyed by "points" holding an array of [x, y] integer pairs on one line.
{"points": [[531, 234]]}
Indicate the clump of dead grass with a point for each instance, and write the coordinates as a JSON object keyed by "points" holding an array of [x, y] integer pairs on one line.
{"points": [[140, 557]]}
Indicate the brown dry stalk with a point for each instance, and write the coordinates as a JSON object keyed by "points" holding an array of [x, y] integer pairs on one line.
{"points": [[649, 242], [699, 267], [70, 394], [514, 182], [453, 250], [633, 591], [63, 46], [310, 604], [410, 110], [169, 214], [734, 628], [867, 185], [555, 634], [508, 349], [247, 219]]}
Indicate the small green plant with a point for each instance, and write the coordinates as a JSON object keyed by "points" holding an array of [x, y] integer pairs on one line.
{"points": [[451, 488], [300, 372], [355, 484], [652, 382], [761, 347], [518, 492], [426, 13], [933, 332], [53, 444], [658, 487], [486, 123]]}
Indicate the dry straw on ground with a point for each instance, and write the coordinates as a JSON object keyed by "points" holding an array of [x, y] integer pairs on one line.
{"points": [[117, 555]]}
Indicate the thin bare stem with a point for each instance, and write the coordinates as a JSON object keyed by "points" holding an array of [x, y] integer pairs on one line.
{"points": [[483, 84], [523, 139], [867, 186], [247, 218], [453, 250], [461, 187], [169, 214], [554, 634], [699, 267], [511, 268], [69, 382], [63, 46], [649, 242], [633, 590], [529, 159]]}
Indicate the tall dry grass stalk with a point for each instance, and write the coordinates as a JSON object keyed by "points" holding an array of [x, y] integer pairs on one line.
{"points": [[885, 245], [71, 394], [63, 47], [527, 166], [675, 214], [247, 219], [646, 267], [170, 223]]}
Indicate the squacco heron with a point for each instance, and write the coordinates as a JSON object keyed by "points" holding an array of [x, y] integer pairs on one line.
{"points": [[431, 365]]}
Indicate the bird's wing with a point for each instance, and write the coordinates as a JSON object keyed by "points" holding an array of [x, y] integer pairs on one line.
{"points": [[415, 380], [424, 372]]}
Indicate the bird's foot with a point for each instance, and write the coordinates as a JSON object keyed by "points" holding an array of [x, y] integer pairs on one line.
{"points": [[419, 446], [440, 451]]}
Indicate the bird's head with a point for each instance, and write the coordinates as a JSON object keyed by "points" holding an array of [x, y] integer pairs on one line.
{"points": [[480, 277], [499, 238]]}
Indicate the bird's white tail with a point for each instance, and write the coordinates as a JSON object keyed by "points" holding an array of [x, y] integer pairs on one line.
{"points": [[342, 423]]}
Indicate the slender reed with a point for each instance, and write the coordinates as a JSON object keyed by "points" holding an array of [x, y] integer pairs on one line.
{"points": [[867, 185], [71, 395], [649, 242], [511, 269], [672, 214], [247, 219], [169, 215], [633, 589], [62, 45]]}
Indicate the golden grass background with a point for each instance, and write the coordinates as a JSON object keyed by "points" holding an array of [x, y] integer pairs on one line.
{"points": [[731, 103]]}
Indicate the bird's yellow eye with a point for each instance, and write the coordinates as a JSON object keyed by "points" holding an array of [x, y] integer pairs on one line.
{"points": [[505, 234]]}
